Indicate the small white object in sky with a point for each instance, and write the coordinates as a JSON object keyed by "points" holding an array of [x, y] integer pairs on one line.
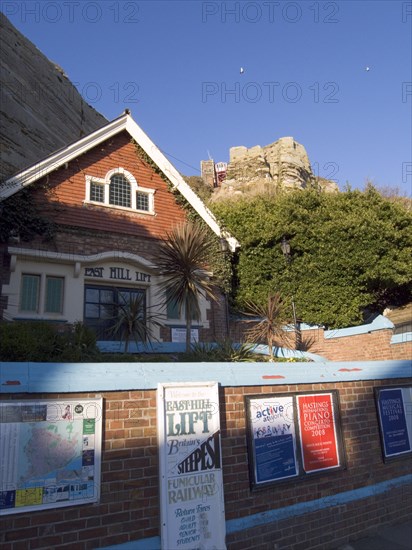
{"points": [[367, 69], [242, 70]]}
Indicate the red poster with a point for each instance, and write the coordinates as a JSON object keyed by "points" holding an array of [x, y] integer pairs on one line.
{"points": [[317, 432]]}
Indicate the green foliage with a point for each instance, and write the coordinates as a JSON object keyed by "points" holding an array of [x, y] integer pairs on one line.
{"points": [[350, 252], [27, 341], [269, 327], [41, 342], [222, 352], [182, 261], [78, 345], [133, 322], [21, 217]]}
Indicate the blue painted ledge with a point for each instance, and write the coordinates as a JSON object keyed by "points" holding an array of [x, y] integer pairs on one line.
{"points": [[114, 346], [95, 377], [401, 338], [380, 323]]}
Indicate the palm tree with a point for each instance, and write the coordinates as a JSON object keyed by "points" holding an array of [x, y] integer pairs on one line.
{"points": [[270, 324], [131, 321], [183, 258]]}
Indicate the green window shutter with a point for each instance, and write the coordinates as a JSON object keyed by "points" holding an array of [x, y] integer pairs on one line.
{"points": [[54, 295], [29, 296]]}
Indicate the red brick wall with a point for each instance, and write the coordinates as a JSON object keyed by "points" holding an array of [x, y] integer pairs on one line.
{"points": [[63, 192], [372, 346], [129, 507]]}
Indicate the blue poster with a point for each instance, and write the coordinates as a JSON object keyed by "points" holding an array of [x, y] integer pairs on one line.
{"points": [[275, 458], [393, 422], [274, 438]]}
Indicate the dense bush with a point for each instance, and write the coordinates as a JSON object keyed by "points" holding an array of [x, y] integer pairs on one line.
{"points": [[350, 252], [43, 342]]}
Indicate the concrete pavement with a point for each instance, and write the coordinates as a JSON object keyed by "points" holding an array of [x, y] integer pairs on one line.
{"points": [[387, 537]]}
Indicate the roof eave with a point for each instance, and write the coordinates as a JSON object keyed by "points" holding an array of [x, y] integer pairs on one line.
{"points": [[74, 150], [61, 157]]}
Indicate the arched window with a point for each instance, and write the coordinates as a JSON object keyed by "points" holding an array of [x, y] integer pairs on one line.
{"points": [[119, 191]]}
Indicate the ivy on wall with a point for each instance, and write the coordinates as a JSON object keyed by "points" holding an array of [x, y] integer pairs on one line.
{"points": [[21, 217], [350, 252], [220, 261]]}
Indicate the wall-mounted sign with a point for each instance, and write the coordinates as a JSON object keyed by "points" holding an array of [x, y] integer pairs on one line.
{"points": [[394, 406], [50, 454], [318, 432], [190, 460], [116, 273], [273, 438], [292, 435], [179, 334]]}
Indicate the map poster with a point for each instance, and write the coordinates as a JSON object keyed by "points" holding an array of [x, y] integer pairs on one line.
{"points": [[271, 438], [50, 454], [190, 460], [318, 433], [395, 422]]}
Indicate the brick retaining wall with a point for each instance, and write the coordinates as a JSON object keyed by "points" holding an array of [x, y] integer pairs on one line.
{"points": [[312, 513]]}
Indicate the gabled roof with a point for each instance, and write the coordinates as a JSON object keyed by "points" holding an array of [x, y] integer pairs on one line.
{"points": [[123, 123]]}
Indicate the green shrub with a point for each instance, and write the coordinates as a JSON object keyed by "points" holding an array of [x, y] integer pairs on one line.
{"points": [[78, 345], [28, 341], [38, 341], [225, 351]]}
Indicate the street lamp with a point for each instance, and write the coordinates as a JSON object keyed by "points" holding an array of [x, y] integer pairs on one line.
{"points": [[285, 246]]}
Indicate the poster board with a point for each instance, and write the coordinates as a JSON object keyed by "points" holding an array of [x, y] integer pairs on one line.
{"points": [[394, 409], [50, 453], [292, 436], [179, 335], [190, 466]]}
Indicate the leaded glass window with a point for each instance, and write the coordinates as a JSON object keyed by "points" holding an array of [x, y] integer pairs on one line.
{"points": [[119, 194], [96, 192]]}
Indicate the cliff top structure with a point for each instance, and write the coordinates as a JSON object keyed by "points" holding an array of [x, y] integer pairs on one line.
{"points": [[283, 164]]}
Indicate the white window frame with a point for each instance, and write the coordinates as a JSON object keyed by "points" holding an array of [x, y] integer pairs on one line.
{"points": [[134, 188]]}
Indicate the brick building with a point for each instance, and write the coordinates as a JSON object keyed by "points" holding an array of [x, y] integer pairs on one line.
{"points": [[112, 196]]}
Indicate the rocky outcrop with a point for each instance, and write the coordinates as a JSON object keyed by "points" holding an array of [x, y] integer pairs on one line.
{"points": [[283, 164], [40, 109]]}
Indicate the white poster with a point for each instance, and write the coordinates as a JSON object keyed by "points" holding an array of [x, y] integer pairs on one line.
{"points": [[179, 335], [50, 454], [191, 480]]}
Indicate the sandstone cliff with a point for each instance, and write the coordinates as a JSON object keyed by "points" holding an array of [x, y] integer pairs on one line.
{"points": [[40, 109], [283, 164]]}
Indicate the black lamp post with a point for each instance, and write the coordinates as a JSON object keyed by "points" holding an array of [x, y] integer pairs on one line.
{"points": [[285, 246]]}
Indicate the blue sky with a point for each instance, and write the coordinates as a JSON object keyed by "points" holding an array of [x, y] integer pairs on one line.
{"points": [[176, 65]]}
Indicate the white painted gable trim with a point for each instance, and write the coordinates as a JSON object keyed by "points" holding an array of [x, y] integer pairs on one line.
{"points": [[124, 122], [61, 157], [60, 257]]}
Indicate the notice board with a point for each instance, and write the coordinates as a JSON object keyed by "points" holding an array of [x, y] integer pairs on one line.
{"points": [[293, 436], [190, 461], [50, 454], [394, 408]]}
